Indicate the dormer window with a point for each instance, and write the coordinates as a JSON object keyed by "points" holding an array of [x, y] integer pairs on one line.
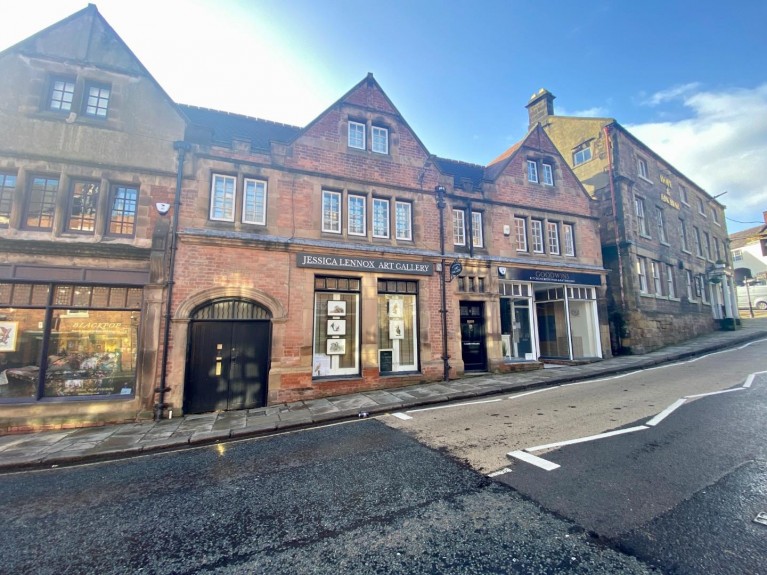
{"points": [[532, 171], [356, 135], [61, 95], [380, 140]]}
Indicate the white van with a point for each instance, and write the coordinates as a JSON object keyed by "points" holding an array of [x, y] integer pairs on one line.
{"points": [[758, 294]]}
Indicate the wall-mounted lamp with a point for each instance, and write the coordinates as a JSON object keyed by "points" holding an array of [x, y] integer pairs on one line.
{"points": [[162, 208]]}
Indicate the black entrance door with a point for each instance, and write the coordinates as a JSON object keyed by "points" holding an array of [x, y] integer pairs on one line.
{"points": [[473, 349], [228, 365]]}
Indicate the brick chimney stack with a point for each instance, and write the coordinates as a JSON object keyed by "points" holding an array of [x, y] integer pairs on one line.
{"points": [[540, 107]]}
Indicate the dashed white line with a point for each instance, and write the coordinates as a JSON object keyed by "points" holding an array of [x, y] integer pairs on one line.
{"points": [[533, 460], [503, 471], [666, 412], [517, 396], [402, 415], [750, 378], [454, 405]]}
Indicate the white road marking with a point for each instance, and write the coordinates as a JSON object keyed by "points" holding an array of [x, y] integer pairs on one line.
{"points": [[503, 471], [402, 415], [532, 392], [751, 377], [454, 405], [713, 393], [666, 412], [585, 439], [533, 460]]}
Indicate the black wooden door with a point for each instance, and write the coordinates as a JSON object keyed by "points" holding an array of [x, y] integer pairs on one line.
{"points": [[228, 365], [473, 347]]}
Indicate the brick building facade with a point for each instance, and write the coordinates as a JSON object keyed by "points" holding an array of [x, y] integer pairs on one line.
{"points": [[169, 259]]}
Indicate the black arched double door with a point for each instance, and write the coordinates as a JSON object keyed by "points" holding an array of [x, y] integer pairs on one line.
{"points": [[228, 365]]}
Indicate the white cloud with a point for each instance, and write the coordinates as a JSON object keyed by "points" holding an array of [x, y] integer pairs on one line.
{"points": [[672, 93], [721, 146], [595, 112]]}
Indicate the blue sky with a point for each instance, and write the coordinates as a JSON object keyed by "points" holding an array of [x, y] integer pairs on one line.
{"points": [[688, 77]]}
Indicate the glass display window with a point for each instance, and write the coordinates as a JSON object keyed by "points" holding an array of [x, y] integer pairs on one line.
{"points": [[336, 327]]}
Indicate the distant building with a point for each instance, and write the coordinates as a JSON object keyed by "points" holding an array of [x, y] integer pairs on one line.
{"points": [[749, 252], [664, 238]]}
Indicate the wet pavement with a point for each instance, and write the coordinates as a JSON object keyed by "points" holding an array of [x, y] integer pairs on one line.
{"points": [[74, 446]]}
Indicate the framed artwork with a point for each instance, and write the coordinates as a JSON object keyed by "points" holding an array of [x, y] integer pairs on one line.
{"points": [[336, 307], [9, 331], [336, 327], [395, 308], [336, 346], [396, 329]]}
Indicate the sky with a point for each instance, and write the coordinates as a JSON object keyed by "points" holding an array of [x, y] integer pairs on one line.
{"points": [[687, 77]]}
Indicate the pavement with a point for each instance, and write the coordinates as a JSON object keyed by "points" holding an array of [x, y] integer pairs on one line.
{"points": [[47, 449]]}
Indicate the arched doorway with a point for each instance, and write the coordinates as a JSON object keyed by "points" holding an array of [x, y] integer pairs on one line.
{"points": [[228, 362]]}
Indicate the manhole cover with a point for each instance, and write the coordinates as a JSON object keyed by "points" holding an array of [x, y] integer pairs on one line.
{"points": [[761, 518]]}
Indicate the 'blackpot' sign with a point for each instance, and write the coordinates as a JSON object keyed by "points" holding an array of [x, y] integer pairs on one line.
{"points": [[362, 264]]}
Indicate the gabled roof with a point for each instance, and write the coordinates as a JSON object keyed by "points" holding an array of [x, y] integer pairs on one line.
{"points": [[749, 236], [85, 38], [224, 127], [359, 95], [531, 140]]}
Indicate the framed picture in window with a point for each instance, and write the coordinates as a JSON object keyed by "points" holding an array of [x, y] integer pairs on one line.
{"points": [[336, 327], [336, 307], [8, 334], [396, 329], [395, 308], [336, 347]]}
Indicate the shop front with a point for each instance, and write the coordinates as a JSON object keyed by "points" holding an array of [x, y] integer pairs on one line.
{"points": [[366, 314], [549, 315]]}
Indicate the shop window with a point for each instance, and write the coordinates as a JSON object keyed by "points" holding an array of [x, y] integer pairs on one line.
{"points": [[397, 326], [7, 189], [83, 201], [68, 340], [336, 327]]}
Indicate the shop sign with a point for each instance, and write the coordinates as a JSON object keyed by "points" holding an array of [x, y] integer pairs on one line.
{"points": [[553, 276], [670, 201], [364, 264]]}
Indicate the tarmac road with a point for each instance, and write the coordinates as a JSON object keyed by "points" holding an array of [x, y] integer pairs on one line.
{"points": [[354, 498]]}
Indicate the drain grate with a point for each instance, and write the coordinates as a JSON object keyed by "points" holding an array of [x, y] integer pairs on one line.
{"points": [[761, 518]]}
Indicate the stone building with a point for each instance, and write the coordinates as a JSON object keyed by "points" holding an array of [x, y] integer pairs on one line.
{"points": [[86, 152], [664, 239]]}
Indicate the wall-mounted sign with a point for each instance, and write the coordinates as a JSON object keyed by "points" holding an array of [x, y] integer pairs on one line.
{"points": [[364, 264], [666, 199], [553, 276]]}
